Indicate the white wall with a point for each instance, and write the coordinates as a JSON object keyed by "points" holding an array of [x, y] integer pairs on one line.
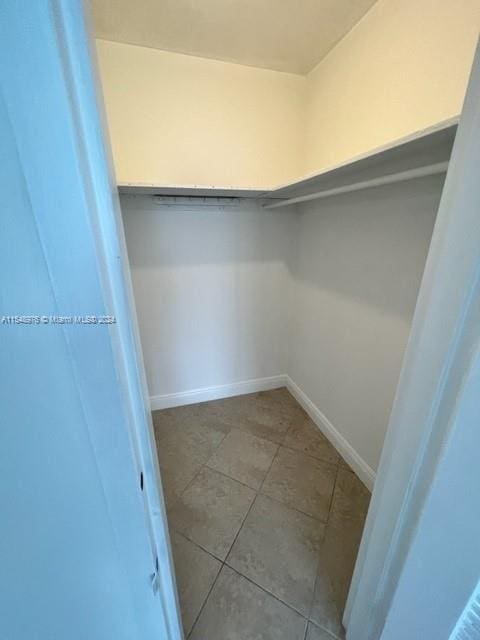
{"points": [[211, 290], [324, 293], [360, 260]]}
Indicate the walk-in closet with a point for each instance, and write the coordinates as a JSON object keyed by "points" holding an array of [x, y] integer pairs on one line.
{"points": [[280, 167]]}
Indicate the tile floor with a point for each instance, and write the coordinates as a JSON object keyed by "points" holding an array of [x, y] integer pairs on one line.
{"points": [[265, 519]]}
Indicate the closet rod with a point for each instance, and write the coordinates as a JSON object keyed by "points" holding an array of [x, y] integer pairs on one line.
{"points": [[427, 170]]}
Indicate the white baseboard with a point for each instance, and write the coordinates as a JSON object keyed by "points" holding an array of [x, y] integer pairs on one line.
{"points": [[215, 393], [344, 448]]}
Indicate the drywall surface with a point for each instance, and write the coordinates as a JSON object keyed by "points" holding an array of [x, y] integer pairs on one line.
{"points": [[212, 291], [177, 119], [324, 293], [402, 68], [360, 261]]}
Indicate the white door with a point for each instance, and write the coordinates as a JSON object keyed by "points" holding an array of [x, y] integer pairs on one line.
{"points": [[84, 542]]}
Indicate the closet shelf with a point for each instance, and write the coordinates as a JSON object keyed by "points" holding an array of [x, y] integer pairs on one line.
{"points": [[419, 150], [401, 176], [189, 190], [422, 153]]}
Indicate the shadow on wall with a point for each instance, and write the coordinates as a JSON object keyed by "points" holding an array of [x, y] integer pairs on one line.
{"points": [[361, 258], [212, 291], [371, 245], [217, 303], [162, 236]]}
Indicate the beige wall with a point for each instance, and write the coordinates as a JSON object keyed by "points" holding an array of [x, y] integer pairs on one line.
{"points": [[177, 119], [402, 68]]}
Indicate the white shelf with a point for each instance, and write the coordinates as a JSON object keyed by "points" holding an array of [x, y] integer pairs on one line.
{"points": [[190, 190], [391, 178], [422, 149], [419, 151]]}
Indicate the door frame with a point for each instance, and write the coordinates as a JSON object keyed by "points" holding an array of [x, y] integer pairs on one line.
{"points": [[94, 144], [128, 351], [70, 64], [430, 385]]}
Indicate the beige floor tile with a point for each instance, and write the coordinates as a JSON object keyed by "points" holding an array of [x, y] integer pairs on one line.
{"points": [[244, 457], [275, 548], [205, 411], [301, 482], [269, 420], [280, 397], [305, 436], [344, 464], [184, 444], [188, 432], [278, 548], [239, 610], [314, 633], [211, 511], [326, 611], [177, 470], [343, 533], [196, 571]]}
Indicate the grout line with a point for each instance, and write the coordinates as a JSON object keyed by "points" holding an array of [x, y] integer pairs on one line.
{"points": [[329, 633], [197, 544], [319, 626], [267, 592], [240, 527], [270, 593], [289, 506], [332, 497], [284, 411], [225, 475], [269, 469], [319, 556], [249, 431], [223, 561], [188, 485], [197, 617], [258, 492], [309, 455], [334, 464]]}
